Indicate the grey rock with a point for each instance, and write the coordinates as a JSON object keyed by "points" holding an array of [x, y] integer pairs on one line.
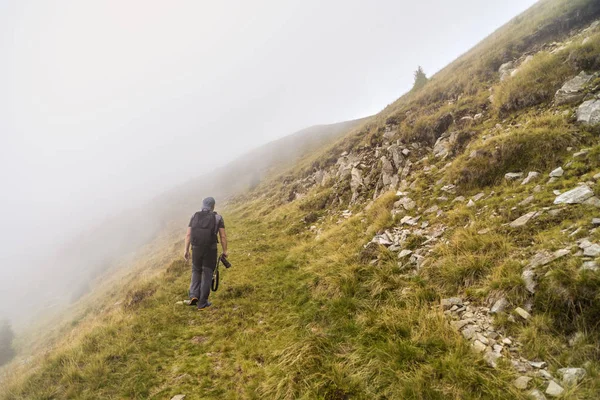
{"points": [[590, 266], [575, 196], [458, 325], [554, 389], [478, 196], [512, 176], [449, 302], [535, 394], [571, 376], [499, 306], [178, 397], [592, 251], [522, 382], [522, 313], [505, 70], [589, 112], [593, 201], [538, 364], [572, 90], [491, 358], [478, 346], [523, 220], [469, 332], [528, 276], [557, 173], [405, 202], [404, 253], [527, 201], [531, 176], [543, 257], [596, 221], [356, 179]]}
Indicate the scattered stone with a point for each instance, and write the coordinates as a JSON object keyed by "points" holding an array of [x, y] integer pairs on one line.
{"points": [[589, 112], [507, 341], [499, 306], [557, 173], [178, 397], [478, 196], [471, 203], [522, 313], [556, 192], [590, 266], [449, 189], [491, 358], [522, 382], [554, 389], [596, 221], [523, 220], [405, 202], [572, 91], [575, 196], [432, 209], [593, 201], [530, 177], [527, 201], [571, 376], [538, 364], [458, 325], [404, 253], [544, 374], [449, 302], [408, 220], [513, 176], [528, 277], [592, 251], [479, 346]]}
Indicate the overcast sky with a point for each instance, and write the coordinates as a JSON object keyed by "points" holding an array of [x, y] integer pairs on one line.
{"points": [[104, 104]]}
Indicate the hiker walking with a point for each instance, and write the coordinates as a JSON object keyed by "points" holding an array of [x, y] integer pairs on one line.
{"points": [[202, 235]]}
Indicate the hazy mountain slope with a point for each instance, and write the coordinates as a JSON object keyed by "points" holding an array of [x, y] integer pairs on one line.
{"points": [[400, 261], [98, 249]]}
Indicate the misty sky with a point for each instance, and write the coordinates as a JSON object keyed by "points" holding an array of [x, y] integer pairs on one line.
{"points": [[104, 104]]}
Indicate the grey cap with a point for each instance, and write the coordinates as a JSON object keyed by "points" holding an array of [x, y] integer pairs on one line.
{"points": [[208, 203]]}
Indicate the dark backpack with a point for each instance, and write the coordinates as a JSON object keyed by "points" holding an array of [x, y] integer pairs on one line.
{"points": [[204, 229]]}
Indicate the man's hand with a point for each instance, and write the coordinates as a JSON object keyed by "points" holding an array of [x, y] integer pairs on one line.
{"points": [[224, 254], [186, 255]]}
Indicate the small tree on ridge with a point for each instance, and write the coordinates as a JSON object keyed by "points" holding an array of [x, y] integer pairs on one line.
{"points": [[420, 79]]}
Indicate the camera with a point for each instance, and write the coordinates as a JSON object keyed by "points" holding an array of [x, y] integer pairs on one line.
{"points": [[225, 262]]}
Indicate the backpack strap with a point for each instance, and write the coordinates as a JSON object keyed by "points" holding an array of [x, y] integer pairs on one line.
{"points": [[218, 219]]}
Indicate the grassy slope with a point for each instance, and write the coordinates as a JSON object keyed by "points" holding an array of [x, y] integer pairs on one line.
{"points": [[310, 318]]}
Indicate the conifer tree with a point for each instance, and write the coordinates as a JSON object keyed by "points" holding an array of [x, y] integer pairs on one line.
{"points": [[420, 79]]}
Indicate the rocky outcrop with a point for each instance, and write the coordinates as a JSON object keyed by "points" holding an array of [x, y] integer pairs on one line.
{"points": [[573, 90], [575, 196], [589, 112]]}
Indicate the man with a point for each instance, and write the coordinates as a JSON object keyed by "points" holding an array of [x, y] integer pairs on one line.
{"points": [[202, 235]]}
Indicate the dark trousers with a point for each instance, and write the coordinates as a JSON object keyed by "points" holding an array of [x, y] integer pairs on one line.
{"points": [[204, 262]]}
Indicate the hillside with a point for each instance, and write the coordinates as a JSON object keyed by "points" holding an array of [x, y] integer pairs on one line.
{"points": [[446, 248]]}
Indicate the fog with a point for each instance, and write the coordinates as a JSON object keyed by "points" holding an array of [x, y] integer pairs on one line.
{"points": [[107, 104]]}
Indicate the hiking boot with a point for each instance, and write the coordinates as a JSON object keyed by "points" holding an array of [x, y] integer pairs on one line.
{"points": [[208, 304], [192, 302]]}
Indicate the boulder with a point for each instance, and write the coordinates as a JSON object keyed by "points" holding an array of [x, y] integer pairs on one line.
{"points": [[479, 346], [522, 313], [499, 306], [449, 302], [406, 203], [571, 376], [589, 112], [557, 173], [592, 251], [531, 176], [554, 389], [575, 196], [572, 91], [528, 277], [535, 394], [522, 382], [513, 176], [523, 220], [356, 179], [505, 70], [387, 171]]}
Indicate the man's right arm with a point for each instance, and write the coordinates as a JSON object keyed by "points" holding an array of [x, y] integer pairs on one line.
{"points": [[223, 236], [188, 239]]}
